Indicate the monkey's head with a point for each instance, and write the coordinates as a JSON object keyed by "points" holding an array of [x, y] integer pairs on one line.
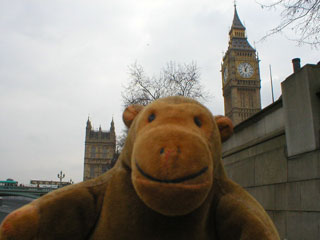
{"points": [[174, 150]]}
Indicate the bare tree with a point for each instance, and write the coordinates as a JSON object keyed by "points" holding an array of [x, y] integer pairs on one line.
{"points": [[300, 16], [174, 79], [121, 140]]}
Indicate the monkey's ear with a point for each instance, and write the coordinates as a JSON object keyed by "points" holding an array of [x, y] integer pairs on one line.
{"points": [[130, 113], [225, 127]]}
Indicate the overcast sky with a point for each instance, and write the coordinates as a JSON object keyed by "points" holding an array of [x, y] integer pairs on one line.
{"points": [[61, 61]]}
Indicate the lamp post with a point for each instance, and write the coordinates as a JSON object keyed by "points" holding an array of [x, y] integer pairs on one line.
{"points": [[61, 176]]}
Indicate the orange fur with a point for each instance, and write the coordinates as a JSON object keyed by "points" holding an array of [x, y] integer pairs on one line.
{"points": [[168, 183]]}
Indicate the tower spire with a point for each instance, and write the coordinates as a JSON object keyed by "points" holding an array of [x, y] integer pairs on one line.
{"points": [[236, 23]]}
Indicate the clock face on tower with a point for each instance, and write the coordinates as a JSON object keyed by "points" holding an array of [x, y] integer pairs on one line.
{"points": [[245, 70]]}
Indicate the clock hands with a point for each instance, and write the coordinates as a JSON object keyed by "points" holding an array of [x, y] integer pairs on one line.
{"points": [[245, 70]]}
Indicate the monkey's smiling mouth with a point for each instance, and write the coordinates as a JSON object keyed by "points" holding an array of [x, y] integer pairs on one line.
{"points": [[176, 180]]}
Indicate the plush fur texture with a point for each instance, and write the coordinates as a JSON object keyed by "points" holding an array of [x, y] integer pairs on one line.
{"points": [[168, 183]]}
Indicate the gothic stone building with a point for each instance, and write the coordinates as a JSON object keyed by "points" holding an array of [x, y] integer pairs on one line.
{"points": [[100, 151], [240, 75]]}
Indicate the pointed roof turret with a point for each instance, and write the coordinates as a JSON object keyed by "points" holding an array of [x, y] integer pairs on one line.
{"points": [[112, 125], [89, 123], [238, 38], [236, 20]]}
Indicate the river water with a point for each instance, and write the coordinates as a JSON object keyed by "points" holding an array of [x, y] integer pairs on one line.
{"points": [[11, 203]]}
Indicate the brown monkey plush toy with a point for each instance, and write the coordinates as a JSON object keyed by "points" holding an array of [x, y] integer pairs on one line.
{"points": [[168, 183]]}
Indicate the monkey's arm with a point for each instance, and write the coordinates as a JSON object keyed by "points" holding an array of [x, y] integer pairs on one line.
{"points": [[67, 213]]}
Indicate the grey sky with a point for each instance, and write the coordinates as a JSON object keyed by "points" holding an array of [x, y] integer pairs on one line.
{"points": [[61, 61]]}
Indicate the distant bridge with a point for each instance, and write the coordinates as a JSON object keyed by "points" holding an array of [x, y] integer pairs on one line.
{"points": [[31, 192]]}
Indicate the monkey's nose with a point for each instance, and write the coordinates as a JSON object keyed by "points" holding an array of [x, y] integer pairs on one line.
{"points": [[170, 152]]}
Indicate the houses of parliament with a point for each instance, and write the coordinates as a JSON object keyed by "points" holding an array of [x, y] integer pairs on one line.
{"points": [[100, 151], [241, 92]]}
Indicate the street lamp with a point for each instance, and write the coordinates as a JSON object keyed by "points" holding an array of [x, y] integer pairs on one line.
{"points": [[61, 176]]}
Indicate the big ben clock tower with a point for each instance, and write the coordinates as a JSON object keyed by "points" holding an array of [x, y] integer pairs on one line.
{"points": [[240, 75]]}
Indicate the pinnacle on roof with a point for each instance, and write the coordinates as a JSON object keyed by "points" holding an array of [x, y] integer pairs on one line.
{"points": [[112, 125], [236, 20], [88, 122]]}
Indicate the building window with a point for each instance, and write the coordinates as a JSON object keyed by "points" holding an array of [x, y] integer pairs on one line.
{"points": [[104, 152], [242, 99], [93, 151], [104, 168], [251, 101], [91, 171]]}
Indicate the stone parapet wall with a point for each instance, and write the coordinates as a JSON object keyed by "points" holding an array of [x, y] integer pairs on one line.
{"points": [[288, 188]]}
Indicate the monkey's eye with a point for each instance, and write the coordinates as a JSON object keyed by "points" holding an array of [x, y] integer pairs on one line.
{"points": [[151, 117], [197, 121]]}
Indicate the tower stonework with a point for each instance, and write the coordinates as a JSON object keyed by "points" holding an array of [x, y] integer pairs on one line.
{"points": [[100, 151], [240, 75]]}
